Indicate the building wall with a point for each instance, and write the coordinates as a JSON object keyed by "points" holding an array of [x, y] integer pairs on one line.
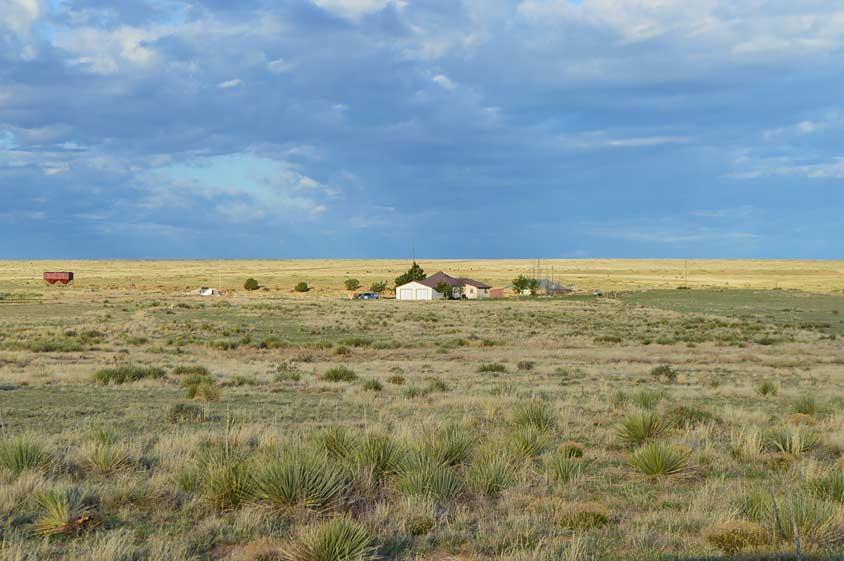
{"points": [[475, 293], [416, 291]]}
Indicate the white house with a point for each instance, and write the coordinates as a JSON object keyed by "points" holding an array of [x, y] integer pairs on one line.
{"points": [[425, 289]]}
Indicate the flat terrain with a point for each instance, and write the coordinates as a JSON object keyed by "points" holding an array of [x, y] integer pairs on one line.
{"points": [[139, 423]]}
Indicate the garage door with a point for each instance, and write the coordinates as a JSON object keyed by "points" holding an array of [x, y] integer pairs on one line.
{"points": [[421, 294], [406, 294]]}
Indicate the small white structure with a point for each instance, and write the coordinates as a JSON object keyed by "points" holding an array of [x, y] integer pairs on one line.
{"points": [[416, 291], [205, 291], [425, 289]]}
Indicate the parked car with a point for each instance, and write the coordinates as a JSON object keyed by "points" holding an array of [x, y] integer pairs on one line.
{"points": [[367, 296]]}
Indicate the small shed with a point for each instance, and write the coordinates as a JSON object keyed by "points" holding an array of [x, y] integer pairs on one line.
{"points": [[415, 290]]}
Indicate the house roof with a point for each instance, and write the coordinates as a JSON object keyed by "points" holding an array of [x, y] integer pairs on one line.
{"points": [[439, 277]]}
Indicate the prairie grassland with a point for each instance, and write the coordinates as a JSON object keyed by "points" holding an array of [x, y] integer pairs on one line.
{"points": [[143, 426], [327, 276]]}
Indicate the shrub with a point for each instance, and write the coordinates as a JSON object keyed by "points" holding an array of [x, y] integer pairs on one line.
{"points": [[581, 516], [412, 392], [342, 350], [425, 477], [829, 486], [690, 417], [817, 522], [396, 380], [619, 399], [806, 405], [494, 367], [186, 413], [563, 468], [124, 374], [451, 446], [648, 399], [492, 475], [226, 481], [339, 374], [658, 459], [251, 284], [299, 480], [535, 413], [205, 391], [571, 450], [372, 386], [352, 284], [107, 458], [378, 287], [378, 456], [66, 510], [339, 539], [19, 454], [664, 373], [194, 369], [338, 442], [302, 287], [791, 441], [437, 385], [529, 441], [736, 536], [639, 427], [526, 365], [767, 388]]}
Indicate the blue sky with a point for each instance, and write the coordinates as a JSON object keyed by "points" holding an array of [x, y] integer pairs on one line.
{"points": [[468, 128]]}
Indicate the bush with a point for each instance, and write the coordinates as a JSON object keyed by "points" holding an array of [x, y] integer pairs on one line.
{"points": [[378, 456], [495, 367], [378, 287], [19, 454], [658, 459], [529, 441], [818, 522], [437, 385], [352, 284], [648, 399], [639, 427], [339, 374], [338, 442], [526, 365], [372, 386], [299, 480], [302, 287], [66, 510], [664, 373], [195, 369], [124, 374], [451, 446], [107, 458], [535, 413], [201, 386], [396, 380], [425, 477], [736, 536], [339, 539], [492, 475], [791, 441], [186, 413], [690, 417], [251, 284], [767, 388], [806, 405], [564, 468], [582, 516]]}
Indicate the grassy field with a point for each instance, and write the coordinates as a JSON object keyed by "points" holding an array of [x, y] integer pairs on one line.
{"points": [[142, 424], [327, 276]]}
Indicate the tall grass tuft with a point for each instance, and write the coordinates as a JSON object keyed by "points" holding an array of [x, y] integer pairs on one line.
{"points": [[492, 475], [529, 441], [451, 446], [818, 522], [806, 405], [127, 374], [21, 453], [641, 426], [829, 486], [338, 442], [422, 476], [340, 539], [563, 468], [792, 441], [648, 399], [66, 510], [767, 388], [378, 456], [658, 459], [339, 374], [225, 479], [534, 413], [299, 479], [107, 458]]}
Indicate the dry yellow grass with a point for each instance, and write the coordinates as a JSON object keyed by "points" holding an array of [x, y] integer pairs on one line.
{"points": [[327, 276]]}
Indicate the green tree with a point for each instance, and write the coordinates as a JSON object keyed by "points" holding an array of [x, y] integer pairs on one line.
{"points": [[302, 287], [352, 284], [520, 284], [445, 289], [533, 286], [251, 284], [415, 273], [378, 287]]}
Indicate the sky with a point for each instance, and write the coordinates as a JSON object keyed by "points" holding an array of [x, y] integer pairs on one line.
{"points": [[458, 128]]}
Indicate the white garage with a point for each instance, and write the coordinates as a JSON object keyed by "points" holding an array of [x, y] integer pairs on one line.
{"points": [[416, 291]]}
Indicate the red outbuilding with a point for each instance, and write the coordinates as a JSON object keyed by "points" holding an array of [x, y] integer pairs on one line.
{"points": [[62, 278]]}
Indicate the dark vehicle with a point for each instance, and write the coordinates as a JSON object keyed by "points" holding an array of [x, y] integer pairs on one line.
{"points": [[367, 296], [62, 278]]}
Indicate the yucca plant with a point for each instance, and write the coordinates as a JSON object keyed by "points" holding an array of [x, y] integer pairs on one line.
{"points": [[818, 522], [107, 458], [793, 441], [806, 405], [829, 486], [451, 446], [534, 413], [340, 539], [66, 510], [529, 441], [378, 456], [641, 426], [659, 459], [767, 388], [648, 399], [422, 476], [299, 480], [226, 481], [563, 468], [20, 453], [492, 475], [338, 442]]}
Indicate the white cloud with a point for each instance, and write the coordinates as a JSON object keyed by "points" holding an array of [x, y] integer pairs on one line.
{"points": [[228, 84], [602, 139], [18, 16], [106, 52], [280, 66], [444, 82], [355, 9]]}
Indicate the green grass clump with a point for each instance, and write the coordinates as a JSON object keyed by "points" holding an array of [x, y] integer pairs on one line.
{"points": [[378, 455], [299, 480], [201, 387], [818, 522], [767, 388], [492, 367], [664, 373], [66, 510], [806, 405], [735, 536], [658, 459], [339, 374], [338, 442], [451, 446], [529, 441], [792, 441], [422, 476], [396, 380], [535, 413], [563, 468], [195, 369], [127, 374], [186, 413], [437, 386], [829, 486], [339, 539], [372, 385], [648, 399], [639, 427], [19, 454], [492, 474], [107, 458], [226, 482], [582, 516]]}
